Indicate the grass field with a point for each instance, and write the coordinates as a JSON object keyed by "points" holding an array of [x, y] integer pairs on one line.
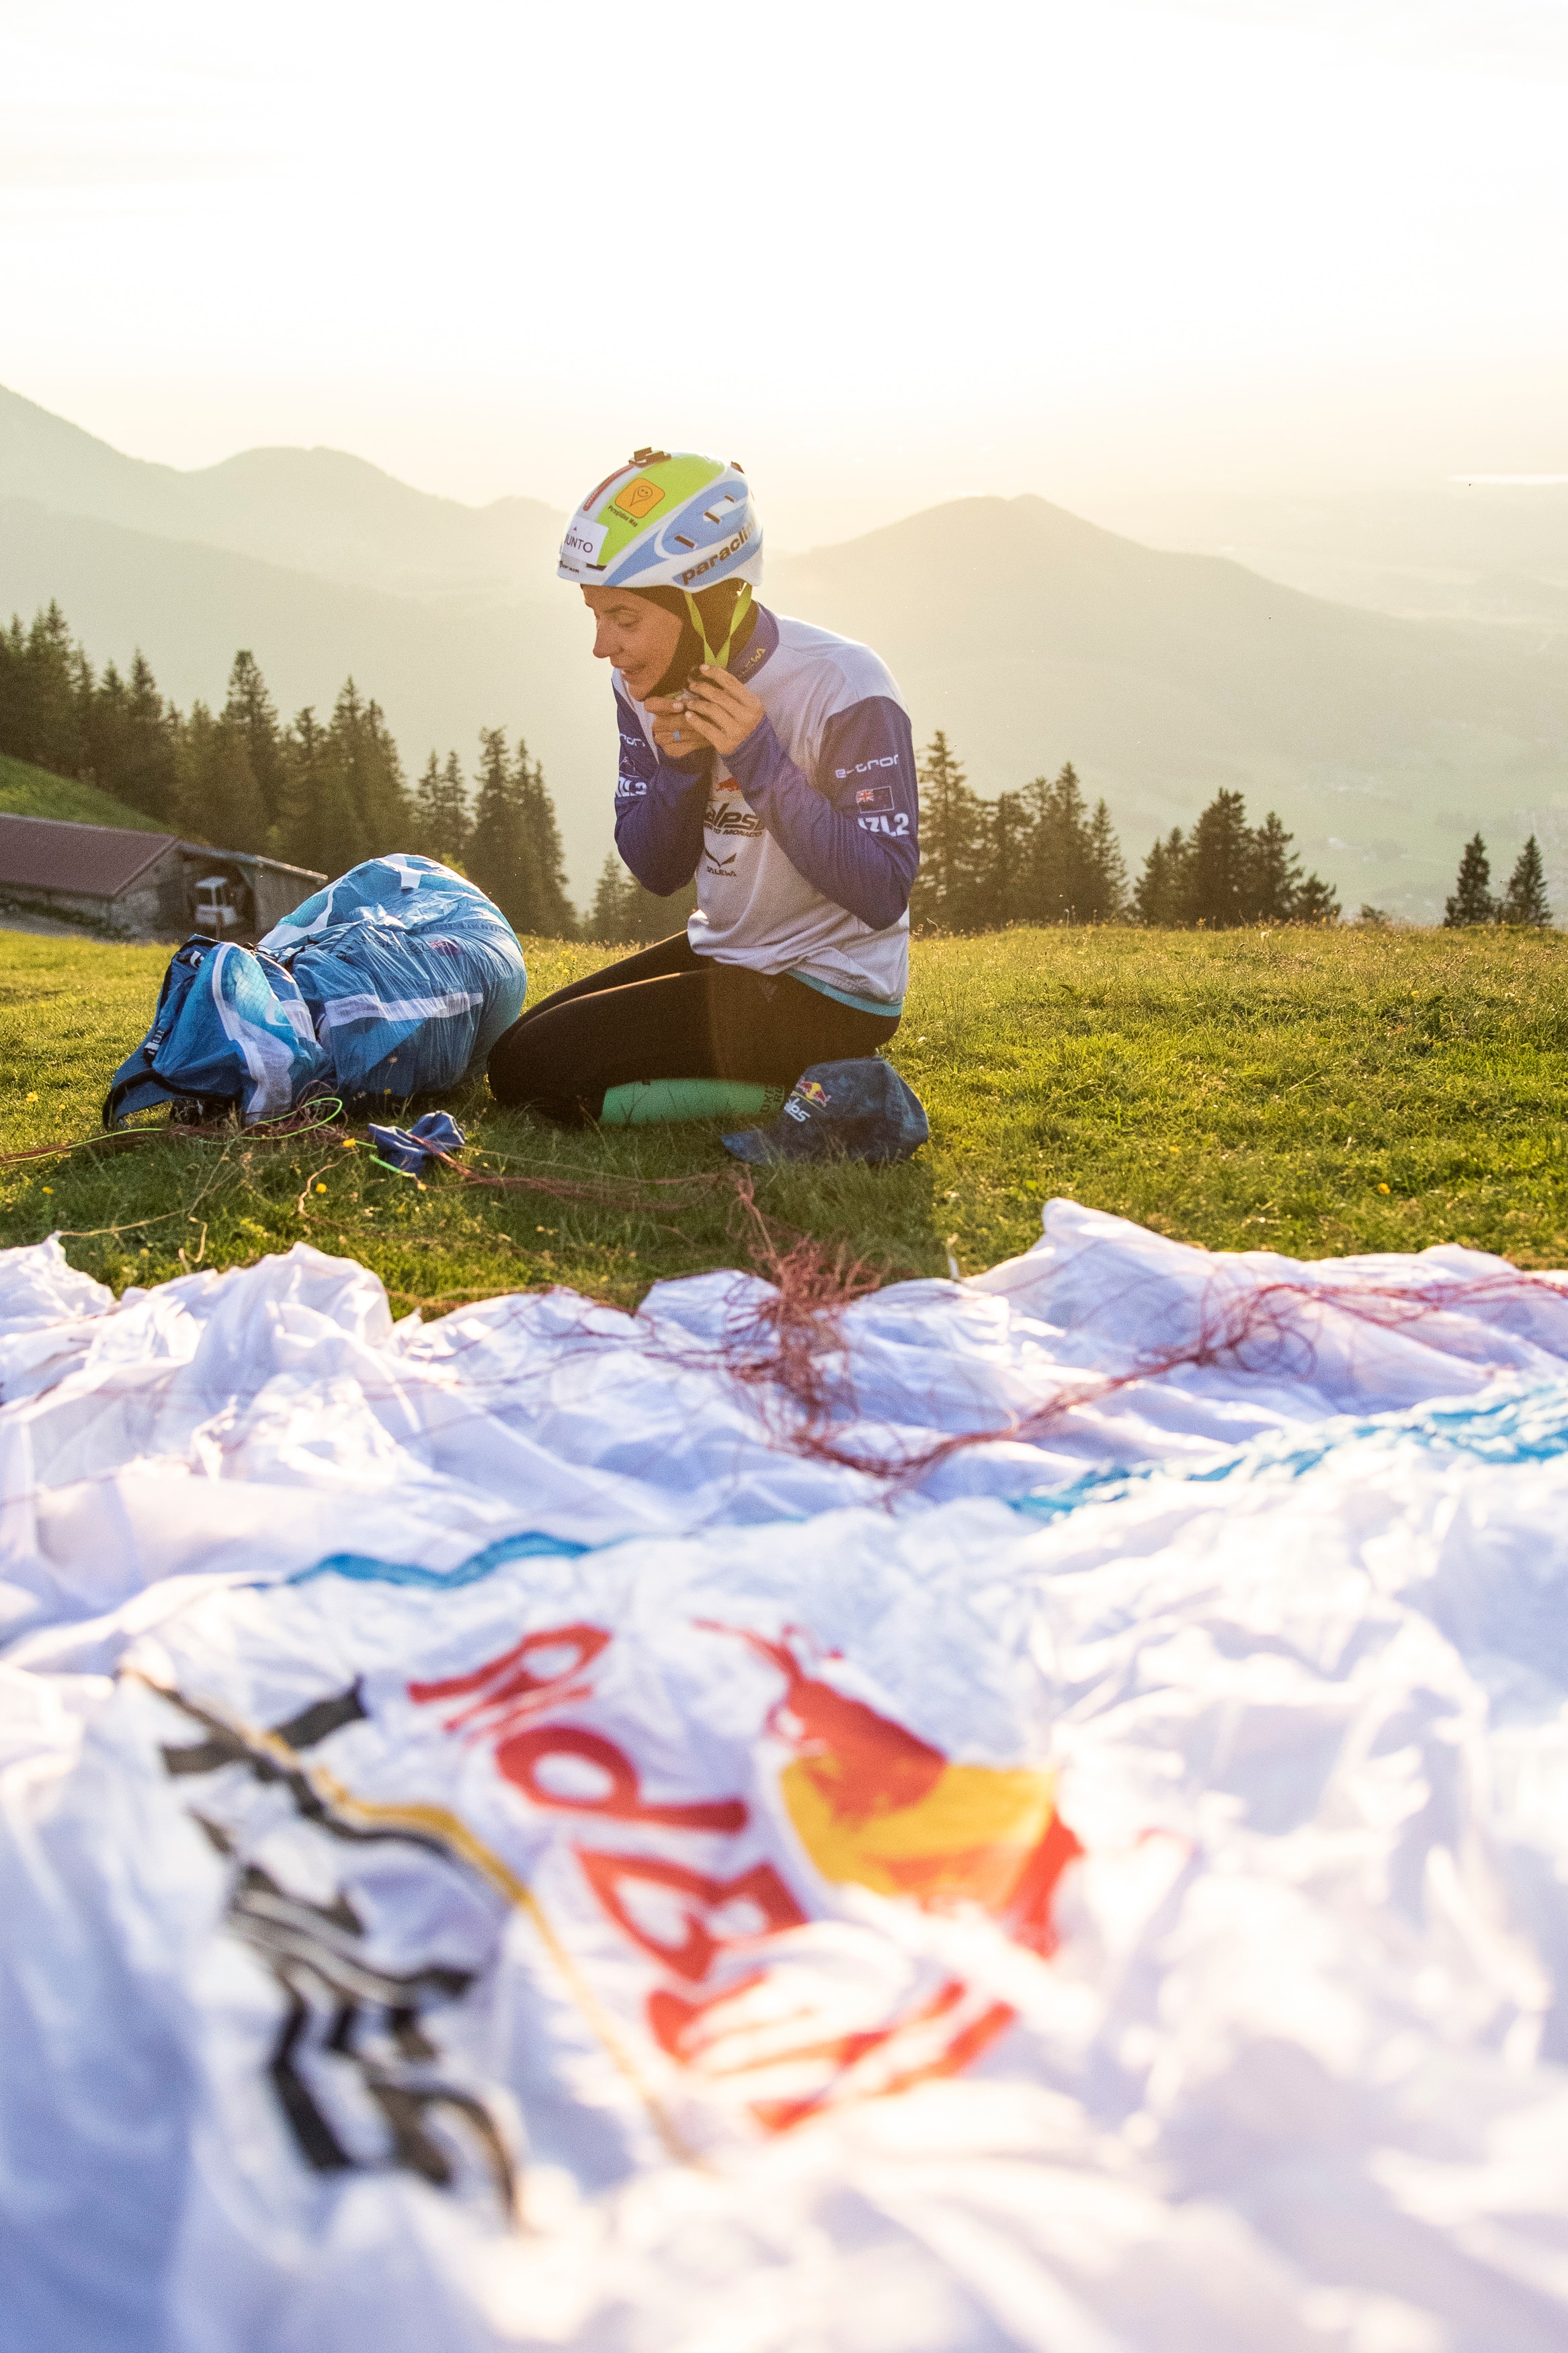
{"points": [[27, 791], [1315, 1093]]}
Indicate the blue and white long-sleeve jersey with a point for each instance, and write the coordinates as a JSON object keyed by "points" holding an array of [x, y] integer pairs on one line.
{"points": [[806, 842]]}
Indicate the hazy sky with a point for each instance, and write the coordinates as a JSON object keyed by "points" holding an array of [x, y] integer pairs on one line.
{"points": [[882, 254]]}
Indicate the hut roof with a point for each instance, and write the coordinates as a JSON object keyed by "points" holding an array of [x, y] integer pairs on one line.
{"points": [[52, 853]]}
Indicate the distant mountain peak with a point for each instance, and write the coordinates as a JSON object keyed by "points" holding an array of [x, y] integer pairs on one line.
{"points": [[318, 509]]}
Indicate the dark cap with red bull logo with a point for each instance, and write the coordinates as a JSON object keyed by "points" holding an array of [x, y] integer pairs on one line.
{"points": [[841, 1111]]}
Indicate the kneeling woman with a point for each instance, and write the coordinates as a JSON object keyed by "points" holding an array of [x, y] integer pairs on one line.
{"points": [[770, 760]]}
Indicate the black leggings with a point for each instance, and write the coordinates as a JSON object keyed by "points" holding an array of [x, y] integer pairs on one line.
{"points": [[670, 1013]]}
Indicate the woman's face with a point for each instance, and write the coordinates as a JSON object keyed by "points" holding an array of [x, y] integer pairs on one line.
{"points": [[637, 636]]}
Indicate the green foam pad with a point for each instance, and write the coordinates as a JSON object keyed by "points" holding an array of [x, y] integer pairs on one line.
{"points": [[644, 1101]]}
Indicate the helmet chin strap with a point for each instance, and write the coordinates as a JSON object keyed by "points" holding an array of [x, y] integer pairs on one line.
{"points": [[742, 605]]}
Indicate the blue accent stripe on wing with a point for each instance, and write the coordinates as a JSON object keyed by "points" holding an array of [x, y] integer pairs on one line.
{"points": [[528, 1546], [1527, 1426]]}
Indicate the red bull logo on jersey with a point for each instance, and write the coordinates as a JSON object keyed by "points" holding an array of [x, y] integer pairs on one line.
{"points": [[707, 1892]]}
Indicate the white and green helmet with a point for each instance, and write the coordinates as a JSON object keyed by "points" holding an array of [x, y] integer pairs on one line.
{"points": [[665, 520]]}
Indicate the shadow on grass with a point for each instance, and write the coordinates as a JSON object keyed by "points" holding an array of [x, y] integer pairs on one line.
{"points": [[653, 1203]]}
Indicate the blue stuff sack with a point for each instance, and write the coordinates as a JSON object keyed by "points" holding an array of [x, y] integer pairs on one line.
{"points": [[408, 1148], [409, 972], [231, 1029], [860, 1110]]}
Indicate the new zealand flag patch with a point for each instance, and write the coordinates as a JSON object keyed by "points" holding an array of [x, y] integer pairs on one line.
{"points": [[874, 799]]}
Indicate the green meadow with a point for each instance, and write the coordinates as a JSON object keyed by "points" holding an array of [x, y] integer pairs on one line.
{"points": [[1310, 1092], [27, 791]]}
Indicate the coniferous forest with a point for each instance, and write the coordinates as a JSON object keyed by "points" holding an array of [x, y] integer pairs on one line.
{"points": [[317, 790], [1042, 855], [324, 790]]}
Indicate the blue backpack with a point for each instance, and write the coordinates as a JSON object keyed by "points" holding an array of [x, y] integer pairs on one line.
{"points": [[231, 1029]]}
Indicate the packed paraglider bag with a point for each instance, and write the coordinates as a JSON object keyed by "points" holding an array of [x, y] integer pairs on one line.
{"points": [[393, 980]]}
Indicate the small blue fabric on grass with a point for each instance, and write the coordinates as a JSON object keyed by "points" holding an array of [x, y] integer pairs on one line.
{"points": [[409, 1148], [860, 1110]]}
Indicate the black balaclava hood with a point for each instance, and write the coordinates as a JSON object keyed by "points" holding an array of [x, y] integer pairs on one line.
{"points": [[716, 607]]}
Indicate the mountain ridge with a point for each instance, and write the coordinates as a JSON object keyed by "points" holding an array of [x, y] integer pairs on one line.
{"points": [[318, 509]]}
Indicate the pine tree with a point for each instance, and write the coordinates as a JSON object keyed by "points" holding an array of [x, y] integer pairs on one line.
{"points": [[386, 803], [42, 677], [1061, 885], [318, 826], [1525, 901], [232, 807], [1273, 878], [83, 691], [499, 860], [60, 673], [610, 914], [252, 710], [456, 813], [442, 821], [1315, 902], [300, 751], [1005, 862], [1472, 902], [626, 916], [1227, 872], [950, 887], [551, 914], [372, 771], [146, 778], [427, 793], [105, 733], [13, 687], [1106, 899], [1220, 857], [194, 758], [218, 798], [1159, 897]]}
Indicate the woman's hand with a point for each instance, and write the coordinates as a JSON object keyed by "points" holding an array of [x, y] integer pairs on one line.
{"points": [[675, 731], [718, 708]]}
